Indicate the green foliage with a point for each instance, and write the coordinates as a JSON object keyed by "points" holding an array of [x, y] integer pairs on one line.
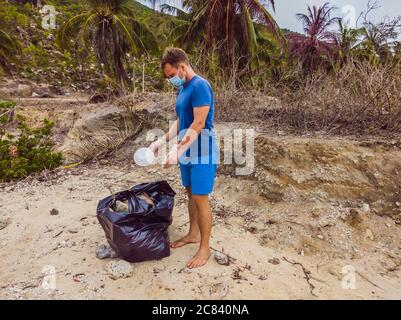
{"points": [[38, 55], [28, 152], [245, 52], [6, 107], [9, 45], [112, 31], [7, 104], [22, 20]]}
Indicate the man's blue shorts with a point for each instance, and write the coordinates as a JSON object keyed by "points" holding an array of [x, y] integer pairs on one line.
{"points": [[200, 177]]}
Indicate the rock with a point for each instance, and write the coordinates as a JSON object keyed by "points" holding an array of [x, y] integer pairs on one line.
{"points": [[13, 90], [253, 228], [221, 258], [104, 251], [324, 223], [24, 90], [101, 131], [54, 212], [322, 168], [219, 290], [369, 235], [119, 269], [319, 236], [103, 162], [366, 207], [274, 261], [66, 244]]}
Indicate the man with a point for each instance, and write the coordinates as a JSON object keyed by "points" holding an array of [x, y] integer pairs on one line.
{"points": [[197, 148]]}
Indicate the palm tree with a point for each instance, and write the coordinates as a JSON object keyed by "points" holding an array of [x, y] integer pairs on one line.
{"points": [[154, 2], [34, 3], [229, 27], [187, 10], [109, 27], [9, 46], [379, 40], [397, 52], [349, 40], [182, 19], [318, 44]]}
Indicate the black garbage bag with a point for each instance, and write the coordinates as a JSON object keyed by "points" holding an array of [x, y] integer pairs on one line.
{"points": [[141, 233]]}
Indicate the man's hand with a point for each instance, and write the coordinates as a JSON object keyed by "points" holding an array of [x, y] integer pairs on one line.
{"points": [[172, 158], [155, 146]]}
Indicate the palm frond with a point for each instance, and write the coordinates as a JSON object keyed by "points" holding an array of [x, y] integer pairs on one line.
{"points": [[318, 44], [9, 48], [111, 30]]}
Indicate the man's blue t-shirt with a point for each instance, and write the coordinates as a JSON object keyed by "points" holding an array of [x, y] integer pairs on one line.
{"points": [[197, 93]]}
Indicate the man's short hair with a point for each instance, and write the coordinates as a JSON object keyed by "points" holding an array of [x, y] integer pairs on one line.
{"points": [[174, 56]]}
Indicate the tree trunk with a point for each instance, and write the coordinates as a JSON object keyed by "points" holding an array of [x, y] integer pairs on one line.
{"points": [[119, 69]]}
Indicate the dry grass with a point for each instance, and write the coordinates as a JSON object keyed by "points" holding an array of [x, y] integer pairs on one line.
{"points": [[359, 98]]}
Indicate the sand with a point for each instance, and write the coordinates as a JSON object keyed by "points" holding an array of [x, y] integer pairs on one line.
{"points": [[35, 240], [289, 249]]}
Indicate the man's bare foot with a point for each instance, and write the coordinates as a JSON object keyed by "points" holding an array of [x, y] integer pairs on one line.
{"points": [[199, 259], [189, 238]]}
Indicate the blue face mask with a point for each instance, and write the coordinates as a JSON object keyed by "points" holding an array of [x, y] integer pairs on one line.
{"points": [[176, 81]]}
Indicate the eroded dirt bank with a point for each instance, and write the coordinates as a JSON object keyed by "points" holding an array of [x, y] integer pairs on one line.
{"points": [[312, 207]]}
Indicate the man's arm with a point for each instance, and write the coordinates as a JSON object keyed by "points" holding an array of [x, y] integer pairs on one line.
{"points": [[173, 132], [200, 116], [170, 135]]}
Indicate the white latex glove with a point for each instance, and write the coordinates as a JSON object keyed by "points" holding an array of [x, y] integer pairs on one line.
{"points": [[155, 146], [172, 157]]}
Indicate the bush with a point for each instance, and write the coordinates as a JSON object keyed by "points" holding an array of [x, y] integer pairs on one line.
{"points": [[359, 98], [28, 152]]}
